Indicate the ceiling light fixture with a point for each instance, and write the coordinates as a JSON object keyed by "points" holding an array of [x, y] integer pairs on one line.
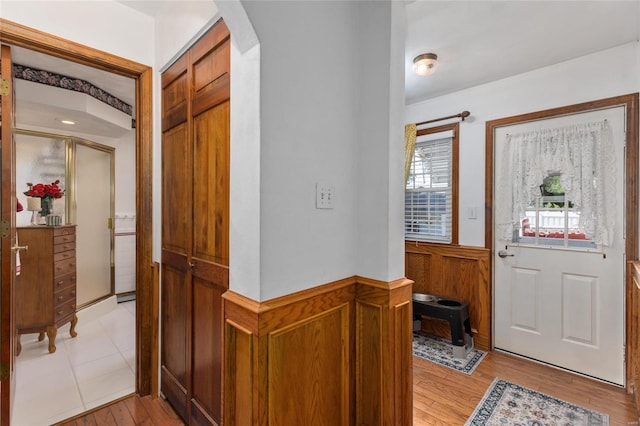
{"points": [[425, 64], [67, 122]]}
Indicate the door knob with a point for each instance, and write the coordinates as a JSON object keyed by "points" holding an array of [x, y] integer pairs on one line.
{"points": [[17, 248], [503, 254]]}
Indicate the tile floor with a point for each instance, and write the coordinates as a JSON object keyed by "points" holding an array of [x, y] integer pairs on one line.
{"points": [[95, 367]]}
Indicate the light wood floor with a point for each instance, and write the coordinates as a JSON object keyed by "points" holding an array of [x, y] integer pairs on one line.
{"points": [[441, 396], [444, 397], [129, 411]]}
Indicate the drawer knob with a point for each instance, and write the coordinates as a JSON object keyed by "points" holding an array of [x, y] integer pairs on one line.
{"points": [[60, 312], [59, 283], [60, 297], [73, 292]]}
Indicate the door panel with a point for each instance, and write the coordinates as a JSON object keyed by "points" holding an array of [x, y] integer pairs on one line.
{"points": [[93, 238], [175, 190], [174, 308], [524, 299], [563, 305], [174, 379], [579, 309], [8, 240], [207, 338], [211, 185], [195, 226]]}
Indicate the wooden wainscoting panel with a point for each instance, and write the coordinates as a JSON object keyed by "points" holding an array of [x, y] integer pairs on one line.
{"points": [[336, 354], [384, 352], [457, 272], [239, 381], [290, 360], [310, 359], [369, 373], [245, 360], [403, 361], [460, 275], [633, 332], [420, 266], [289, 309]]}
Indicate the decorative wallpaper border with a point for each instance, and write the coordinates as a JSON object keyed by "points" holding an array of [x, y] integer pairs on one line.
{"points": [[35, 75]]}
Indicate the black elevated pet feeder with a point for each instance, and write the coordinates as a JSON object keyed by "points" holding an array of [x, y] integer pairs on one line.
{"points": [[454, 311]]}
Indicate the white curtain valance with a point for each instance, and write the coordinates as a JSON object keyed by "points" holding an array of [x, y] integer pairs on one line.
{"points": [[582, 155]]}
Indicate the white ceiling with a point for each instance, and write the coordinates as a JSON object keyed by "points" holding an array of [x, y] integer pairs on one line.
{"points": [[482, 41], [476, 42]]}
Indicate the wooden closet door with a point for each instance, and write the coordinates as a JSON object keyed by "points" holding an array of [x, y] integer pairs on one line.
{"points": [[195, 226], [176, 236]]}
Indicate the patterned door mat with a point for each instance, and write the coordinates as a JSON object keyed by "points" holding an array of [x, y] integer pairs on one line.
{"points": [[507, 403], [440, 351]]}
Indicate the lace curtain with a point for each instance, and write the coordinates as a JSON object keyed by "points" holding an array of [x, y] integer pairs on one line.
{"points": [[582, 155]]}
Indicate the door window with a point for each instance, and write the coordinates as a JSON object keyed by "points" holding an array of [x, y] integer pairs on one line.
{"points": [[552, 219]]}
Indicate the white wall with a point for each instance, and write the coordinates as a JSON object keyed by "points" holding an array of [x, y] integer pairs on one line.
{"points": [[317, 99], [308, 133], [104, 25], [604, 74], [380, 170]]}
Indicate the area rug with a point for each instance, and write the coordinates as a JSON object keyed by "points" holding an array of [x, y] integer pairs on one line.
{"points": [[440, 351], [507, 403]]}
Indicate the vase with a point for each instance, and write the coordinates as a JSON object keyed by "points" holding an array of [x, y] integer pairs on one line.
{"points": [[46, 205]]}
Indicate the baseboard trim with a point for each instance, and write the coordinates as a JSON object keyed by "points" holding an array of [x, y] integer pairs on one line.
{"points": [[126, 297]]}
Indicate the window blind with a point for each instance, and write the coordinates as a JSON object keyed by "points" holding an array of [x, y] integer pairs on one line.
{"points": [[428, 194]]}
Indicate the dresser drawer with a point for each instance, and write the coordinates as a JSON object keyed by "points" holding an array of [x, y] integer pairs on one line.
{"points": [[65, 310], [67, 230], [69, 254], [64, 296], [63, 239], [64, 267], [62, 283], [64, 246]]}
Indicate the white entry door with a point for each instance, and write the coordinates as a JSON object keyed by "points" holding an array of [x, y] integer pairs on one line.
{"points": [[558, 295]]}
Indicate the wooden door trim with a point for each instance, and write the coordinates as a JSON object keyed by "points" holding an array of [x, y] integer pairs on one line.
{"points": [[146, 329], [7, 349], [630, 101]]}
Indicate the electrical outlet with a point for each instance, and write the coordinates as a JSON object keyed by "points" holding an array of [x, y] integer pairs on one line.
{"points": [[325, 195]]}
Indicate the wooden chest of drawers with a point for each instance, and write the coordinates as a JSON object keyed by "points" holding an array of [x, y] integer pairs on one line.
{"points": [[46, 288]]}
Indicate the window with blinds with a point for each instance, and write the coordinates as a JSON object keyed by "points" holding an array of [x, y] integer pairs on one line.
{"points": [[429, 191]]}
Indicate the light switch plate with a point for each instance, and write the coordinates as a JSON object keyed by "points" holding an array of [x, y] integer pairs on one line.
{"points": [[325, 195]]}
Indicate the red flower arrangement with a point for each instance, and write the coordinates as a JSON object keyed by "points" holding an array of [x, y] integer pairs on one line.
{"points": [[42, 190]]}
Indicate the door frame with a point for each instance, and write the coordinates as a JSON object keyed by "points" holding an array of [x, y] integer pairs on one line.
{"points": [[630, 101], [15, 34]]}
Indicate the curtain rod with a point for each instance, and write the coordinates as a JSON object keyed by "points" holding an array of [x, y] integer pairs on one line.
{"points": [[462, 115]]}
